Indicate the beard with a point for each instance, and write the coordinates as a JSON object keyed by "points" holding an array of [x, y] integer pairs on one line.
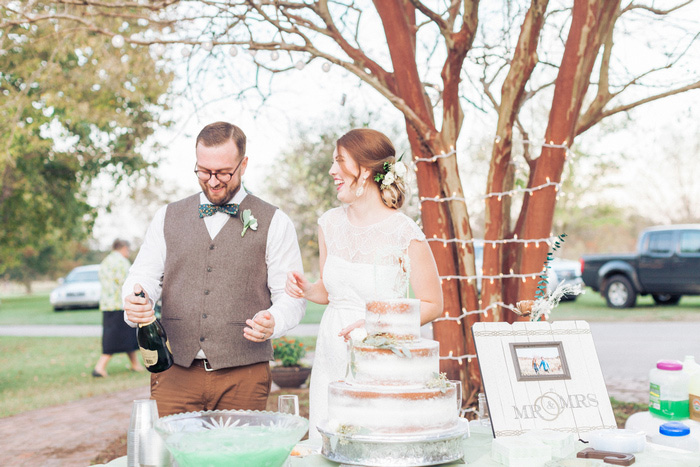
{"points": [[221, 194]]}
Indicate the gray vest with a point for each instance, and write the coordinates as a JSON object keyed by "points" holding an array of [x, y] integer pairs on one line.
{"points": [[211, 287]]}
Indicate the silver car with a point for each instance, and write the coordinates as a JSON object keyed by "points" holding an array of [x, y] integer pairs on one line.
{"points": [[568, 272], [80, 289], [559, 271]]}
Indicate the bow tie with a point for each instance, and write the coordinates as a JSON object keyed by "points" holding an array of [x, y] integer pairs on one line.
{"points": [[210, 209]]}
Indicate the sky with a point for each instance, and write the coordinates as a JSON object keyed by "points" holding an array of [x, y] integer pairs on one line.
{"points": [[647, 137]]}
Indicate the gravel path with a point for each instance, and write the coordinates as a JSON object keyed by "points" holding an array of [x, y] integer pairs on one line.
{"points": [[67, 435]]}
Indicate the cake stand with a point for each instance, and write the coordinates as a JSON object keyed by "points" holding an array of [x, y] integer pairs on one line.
{"points": [[395, 450]]}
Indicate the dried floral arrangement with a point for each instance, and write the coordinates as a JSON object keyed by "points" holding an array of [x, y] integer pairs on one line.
{"points": [[543, 304]]}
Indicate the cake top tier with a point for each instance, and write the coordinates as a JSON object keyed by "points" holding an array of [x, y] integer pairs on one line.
{"points": [[398, 318]]}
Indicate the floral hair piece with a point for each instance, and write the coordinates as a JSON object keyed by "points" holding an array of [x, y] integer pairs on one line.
{"points": [[392, 172]]}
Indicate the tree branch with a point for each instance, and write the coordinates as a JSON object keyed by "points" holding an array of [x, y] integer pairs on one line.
{"points": [[591, 120]]}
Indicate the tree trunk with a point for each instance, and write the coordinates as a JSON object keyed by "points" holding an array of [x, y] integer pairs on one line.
{"points": [[590, 22]]}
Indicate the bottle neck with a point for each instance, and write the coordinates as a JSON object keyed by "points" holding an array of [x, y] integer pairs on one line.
{"points": [[146, 324]]}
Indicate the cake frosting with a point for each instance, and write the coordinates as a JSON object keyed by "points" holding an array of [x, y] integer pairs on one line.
{"points": [[400, 318], [393, 384]]}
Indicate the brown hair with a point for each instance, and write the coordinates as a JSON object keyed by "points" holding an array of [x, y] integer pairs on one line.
{"points": [[118, 244], [372, 149], [216, 134]]}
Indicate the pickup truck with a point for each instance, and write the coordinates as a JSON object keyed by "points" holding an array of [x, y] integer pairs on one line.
{"points": [[666, 265]]}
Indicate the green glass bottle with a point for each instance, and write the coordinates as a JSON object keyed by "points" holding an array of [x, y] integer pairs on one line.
{"points": [[154, 345]]}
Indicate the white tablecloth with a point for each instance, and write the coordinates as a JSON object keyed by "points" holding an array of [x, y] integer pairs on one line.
{"points": [[477, 449]]}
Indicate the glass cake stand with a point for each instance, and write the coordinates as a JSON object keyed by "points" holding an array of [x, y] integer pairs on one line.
{"points": [[395, 450]]}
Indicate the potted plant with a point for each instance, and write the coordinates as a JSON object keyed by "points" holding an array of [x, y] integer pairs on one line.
{"points": [[287, 370]]}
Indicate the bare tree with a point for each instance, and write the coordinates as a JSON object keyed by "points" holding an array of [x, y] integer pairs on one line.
{"points": [[563, 60]]}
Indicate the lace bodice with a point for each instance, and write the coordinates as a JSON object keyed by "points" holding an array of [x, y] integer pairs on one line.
{"points": [[376, 244], [378, 251]]}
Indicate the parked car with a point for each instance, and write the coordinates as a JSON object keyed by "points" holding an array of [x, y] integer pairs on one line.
{"points": [[665, 265], [566, 271], [79, 289], [561, 270]]}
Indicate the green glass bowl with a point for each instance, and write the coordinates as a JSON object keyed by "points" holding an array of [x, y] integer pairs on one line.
{"points": [[243, 438]]}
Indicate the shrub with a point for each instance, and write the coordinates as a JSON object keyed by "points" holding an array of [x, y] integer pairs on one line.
{"points": [[288, 351]]}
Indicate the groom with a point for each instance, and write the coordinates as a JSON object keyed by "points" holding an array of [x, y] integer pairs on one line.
{"points": [[218, 260]]}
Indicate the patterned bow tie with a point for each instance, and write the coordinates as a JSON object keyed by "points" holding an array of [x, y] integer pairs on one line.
{"points": [[210, 209]]}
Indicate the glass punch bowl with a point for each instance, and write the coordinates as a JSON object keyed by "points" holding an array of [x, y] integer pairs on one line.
{"points": [[241, 438]]}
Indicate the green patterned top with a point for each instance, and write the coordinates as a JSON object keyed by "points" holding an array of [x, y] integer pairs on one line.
{"points": [[113, 271]]}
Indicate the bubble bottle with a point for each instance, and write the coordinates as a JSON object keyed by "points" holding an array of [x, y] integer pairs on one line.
{"points": [[668, 390]]}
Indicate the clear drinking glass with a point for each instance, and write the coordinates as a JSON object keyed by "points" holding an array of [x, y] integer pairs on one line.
{"points": [[144, 414], [483, 412], [288, 403], [458, 385]]}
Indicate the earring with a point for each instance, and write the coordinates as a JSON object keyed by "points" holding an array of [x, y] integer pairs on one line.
{"points": [[361, 190]]}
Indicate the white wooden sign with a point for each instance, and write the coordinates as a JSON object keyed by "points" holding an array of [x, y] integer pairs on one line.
{"points": [[540, 375]]}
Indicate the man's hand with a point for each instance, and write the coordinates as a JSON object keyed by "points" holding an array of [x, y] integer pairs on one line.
{"points": [[138, 309], [260, 327]]}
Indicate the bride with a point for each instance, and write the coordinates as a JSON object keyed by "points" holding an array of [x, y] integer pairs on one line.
{"points": [[367, 250]]}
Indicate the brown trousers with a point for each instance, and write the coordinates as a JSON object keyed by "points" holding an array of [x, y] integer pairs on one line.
{"points": [[179, 389]]}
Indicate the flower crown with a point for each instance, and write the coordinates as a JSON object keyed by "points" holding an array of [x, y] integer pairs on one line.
{"points": [[392, 173]]}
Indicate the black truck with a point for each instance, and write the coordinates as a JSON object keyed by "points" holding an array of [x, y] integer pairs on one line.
{"points": [[666, 265]]}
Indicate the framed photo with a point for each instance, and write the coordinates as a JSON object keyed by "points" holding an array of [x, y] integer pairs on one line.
{"points": [[539, 361], [542, 376]]}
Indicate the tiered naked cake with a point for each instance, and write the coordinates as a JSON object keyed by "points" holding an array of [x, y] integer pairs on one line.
{"points": [[393, 400]]}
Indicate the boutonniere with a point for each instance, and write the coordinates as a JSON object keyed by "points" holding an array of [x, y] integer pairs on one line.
{"points": [[249, 221]]}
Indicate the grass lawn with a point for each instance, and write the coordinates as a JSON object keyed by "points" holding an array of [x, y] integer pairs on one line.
{"points": [[36, 309], [43, 371], [590, 306]]}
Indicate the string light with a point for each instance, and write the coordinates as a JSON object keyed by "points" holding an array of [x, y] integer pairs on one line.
{"points": [[118, 41], [527, 191], [530, 191], [491, 278], [466, 313], [525, 242], [515, 239], [436, 157], [452, 357]]}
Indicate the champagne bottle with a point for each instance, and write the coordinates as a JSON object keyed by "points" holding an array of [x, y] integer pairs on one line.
{"points": [[154, 345]]}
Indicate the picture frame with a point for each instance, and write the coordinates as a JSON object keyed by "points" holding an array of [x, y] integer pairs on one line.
{"points": [[570, 396], [539, 361]]}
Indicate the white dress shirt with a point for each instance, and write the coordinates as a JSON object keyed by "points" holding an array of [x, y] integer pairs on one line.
{"points": [[282, 255]]}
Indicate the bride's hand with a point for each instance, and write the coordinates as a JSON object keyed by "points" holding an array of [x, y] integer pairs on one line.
{"points": [[296, 284], [345, 333]]}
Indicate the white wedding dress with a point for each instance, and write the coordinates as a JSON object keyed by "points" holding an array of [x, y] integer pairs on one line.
{"points": [[362, 264]]}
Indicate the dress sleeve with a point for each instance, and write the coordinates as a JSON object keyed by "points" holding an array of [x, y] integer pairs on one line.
{"points": [[326, 220], [409, 232]]}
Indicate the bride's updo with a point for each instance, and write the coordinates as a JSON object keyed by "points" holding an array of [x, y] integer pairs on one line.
{"points": [[372, 149]]}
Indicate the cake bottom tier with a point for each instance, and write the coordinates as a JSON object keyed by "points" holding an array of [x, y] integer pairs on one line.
{"points": [[391, 410]]}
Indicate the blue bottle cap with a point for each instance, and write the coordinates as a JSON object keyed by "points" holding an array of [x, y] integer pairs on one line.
{"points": [[674, 429]]}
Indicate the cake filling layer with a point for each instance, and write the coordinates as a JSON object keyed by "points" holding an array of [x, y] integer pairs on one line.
{"points": [[391, 410]]}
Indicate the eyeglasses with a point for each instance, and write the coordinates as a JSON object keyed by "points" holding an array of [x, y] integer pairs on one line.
{"points": [[223, 177]]}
